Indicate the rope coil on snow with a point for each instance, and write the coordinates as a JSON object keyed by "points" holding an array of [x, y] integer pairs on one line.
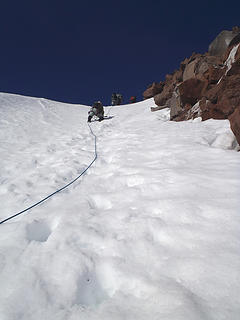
{"points": [[64, 187]]}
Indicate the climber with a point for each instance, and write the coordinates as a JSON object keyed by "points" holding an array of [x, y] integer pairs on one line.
{"points": [[133, 99], [96, 110], [116, 99], [119, 99]]}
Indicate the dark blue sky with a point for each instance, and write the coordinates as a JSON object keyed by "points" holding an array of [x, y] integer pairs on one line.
{"points": [[81, 51]]}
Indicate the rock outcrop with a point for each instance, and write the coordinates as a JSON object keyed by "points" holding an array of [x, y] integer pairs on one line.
{"points": [[217, 92], [153, 89], [222, 41], [234, 119], [206, 85]]}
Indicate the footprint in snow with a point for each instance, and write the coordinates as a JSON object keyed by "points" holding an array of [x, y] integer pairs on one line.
{"points": [[38, 230], [89, 290]]}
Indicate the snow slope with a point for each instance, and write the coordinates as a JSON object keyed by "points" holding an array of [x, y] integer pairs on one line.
{"points": [[151, 231]]}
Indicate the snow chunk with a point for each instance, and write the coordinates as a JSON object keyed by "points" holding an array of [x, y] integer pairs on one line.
{"points": [[231, 58], [225, 139], [195, 110]]}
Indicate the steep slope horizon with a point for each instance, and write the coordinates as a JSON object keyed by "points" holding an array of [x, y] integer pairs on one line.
{"points": [[151, 229]]}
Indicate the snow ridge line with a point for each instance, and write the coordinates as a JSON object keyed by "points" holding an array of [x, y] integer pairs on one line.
{"points": [[64, 187]]}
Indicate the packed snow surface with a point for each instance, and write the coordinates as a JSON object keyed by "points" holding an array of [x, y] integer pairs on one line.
{"points": [[151, 231]]}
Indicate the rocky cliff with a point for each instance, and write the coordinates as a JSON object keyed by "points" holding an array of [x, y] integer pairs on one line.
{"points": [[205, 85]]}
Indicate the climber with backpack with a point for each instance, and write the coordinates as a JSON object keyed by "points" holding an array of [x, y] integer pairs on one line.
{"points": [[114, 99], [117, 99], [96, 110]]}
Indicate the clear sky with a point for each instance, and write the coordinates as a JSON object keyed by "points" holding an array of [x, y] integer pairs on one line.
{"points": [[80, 51]]}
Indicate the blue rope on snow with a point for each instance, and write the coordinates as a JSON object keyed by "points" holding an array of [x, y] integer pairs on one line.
{"points": [[64, 187]]}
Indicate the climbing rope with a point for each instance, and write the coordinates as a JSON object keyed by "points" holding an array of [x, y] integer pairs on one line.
{"points": [[64, 187]]}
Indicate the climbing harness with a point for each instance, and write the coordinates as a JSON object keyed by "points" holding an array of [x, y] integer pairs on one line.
{"points": [[64, 187]]}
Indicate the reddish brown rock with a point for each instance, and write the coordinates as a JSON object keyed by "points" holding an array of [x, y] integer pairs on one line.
{"points": [[203, 87], [229, 49], [161, 98], [183, 114], [174, 103], [189, 71], [199, 67], [214, 74], [235, 69], [153, 89], [205, 63], [235, 40], [177, 76], [234, 119], [212, 93], [190, 66], [158, 108], [208, 110], [223, 98], [190, 91], [237, 55], [171, 82], [229, 97]]}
